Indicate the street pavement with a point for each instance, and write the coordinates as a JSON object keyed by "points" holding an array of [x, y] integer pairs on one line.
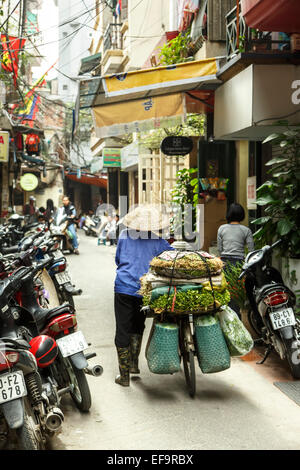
{"points": [[239, 408]]}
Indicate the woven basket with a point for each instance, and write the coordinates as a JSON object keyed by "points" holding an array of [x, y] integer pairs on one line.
{"points": [[162, 351], [212, 351]]}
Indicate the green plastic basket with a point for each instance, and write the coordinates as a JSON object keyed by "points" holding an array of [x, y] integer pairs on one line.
{"points": [[162, 354], [212, 351]]}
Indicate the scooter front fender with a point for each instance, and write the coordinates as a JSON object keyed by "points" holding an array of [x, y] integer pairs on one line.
{"points": [[13, 412]]}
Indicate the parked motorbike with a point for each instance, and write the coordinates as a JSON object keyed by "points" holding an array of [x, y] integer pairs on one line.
{"points": [[59, 228], [25, 406], [91, 225], [58, 271], [60, 323], [272, 315]]}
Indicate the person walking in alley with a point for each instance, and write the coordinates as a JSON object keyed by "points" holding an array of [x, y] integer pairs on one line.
{"points": [[138, 243], [30, 210], [232, 238], [70, 211]]}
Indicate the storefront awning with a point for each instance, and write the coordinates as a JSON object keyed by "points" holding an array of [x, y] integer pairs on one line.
{"points": [[89, 63], [272, 15], [156, 81], [139, 116], [88, 179]]}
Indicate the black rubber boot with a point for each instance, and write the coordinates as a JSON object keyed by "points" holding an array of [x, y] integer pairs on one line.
{"points": [[135, 349], [124, 363]]}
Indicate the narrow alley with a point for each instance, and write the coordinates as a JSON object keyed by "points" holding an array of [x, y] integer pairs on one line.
{"points": [[236, 409]]}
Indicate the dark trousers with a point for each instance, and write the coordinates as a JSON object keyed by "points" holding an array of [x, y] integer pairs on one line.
{"points": [[129, 319]]}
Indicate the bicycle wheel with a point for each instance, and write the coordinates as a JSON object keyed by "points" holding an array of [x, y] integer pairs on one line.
{"points": [[188, 358]]}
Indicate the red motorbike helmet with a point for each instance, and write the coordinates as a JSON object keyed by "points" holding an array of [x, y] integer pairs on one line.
{"points": [[44, 349]]}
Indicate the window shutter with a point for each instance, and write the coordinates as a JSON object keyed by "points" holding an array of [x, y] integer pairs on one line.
{"points": [[217, 11]]}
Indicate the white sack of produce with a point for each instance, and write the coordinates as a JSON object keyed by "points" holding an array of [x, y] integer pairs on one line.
{"points": [[238, 338]]}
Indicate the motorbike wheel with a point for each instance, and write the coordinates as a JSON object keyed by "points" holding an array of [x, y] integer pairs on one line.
{"points": [[293, 356], [80, 392], [29, 435]]}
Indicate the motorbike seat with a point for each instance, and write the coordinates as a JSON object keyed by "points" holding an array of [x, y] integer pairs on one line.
{"points": [[43, 315]]}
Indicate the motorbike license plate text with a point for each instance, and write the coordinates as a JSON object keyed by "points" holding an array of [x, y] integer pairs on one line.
{"points": [[62, 278], [72, 344], [12, 386], [57, 254], [282, 318]]}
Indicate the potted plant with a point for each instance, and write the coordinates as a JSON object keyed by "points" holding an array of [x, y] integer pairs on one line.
{"points": [[176, 50], [280, 198]]}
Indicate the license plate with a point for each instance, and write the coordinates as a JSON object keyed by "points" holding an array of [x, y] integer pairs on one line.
{"points": [[57, 254], [12, 386], [72, 344], [282, 318], [63, 278]]}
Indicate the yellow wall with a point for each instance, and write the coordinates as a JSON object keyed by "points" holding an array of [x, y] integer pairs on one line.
{"points": [[242, 153]]}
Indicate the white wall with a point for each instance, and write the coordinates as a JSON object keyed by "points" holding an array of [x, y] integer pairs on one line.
{"points": [[249, 105], [233, 104], [148, 22], [73, 46]]}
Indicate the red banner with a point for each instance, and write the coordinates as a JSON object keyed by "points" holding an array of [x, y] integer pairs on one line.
{"points": [[10, 54]]}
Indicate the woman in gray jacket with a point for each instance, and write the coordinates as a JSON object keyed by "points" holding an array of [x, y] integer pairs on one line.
{"points": [[232, 239]]}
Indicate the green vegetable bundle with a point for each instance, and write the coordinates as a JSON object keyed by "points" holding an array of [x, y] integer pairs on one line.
{"points": [[191, 301]]}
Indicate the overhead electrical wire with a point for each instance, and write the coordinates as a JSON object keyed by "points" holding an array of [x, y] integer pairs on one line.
{"points": [[70, 20], [10, 14]]}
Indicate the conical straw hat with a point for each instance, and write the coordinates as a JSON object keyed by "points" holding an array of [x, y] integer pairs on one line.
{"points": [[146, 218]]}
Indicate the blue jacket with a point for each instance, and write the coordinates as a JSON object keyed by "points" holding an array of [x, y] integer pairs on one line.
{"points": [[133, 258]]}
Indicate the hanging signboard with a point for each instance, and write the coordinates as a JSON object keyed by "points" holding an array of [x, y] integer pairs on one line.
{"points": [[111, 157], [29, 182], [4, 146], [176, 145]]}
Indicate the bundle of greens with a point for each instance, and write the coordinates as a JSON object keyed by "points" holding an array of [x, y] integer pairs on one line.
{"points": [[191, 301], [185, 282], [185, 264]]}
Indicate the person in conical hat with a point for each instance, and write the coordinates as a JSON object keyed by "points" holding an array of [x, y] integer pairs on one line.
{"points": [[138, 244]]}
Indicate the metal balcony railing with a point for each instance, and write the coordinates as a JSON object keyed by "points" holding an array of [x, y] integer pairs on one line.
{"points": [[241, 38], [113, 37]]}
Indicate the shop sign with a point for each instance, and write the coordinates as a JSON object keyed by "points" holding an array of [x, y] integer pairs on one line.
{"points": [[251, 193], [176, 145], [4, 146], [129, 156], [111, 157], [29, 182]]}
